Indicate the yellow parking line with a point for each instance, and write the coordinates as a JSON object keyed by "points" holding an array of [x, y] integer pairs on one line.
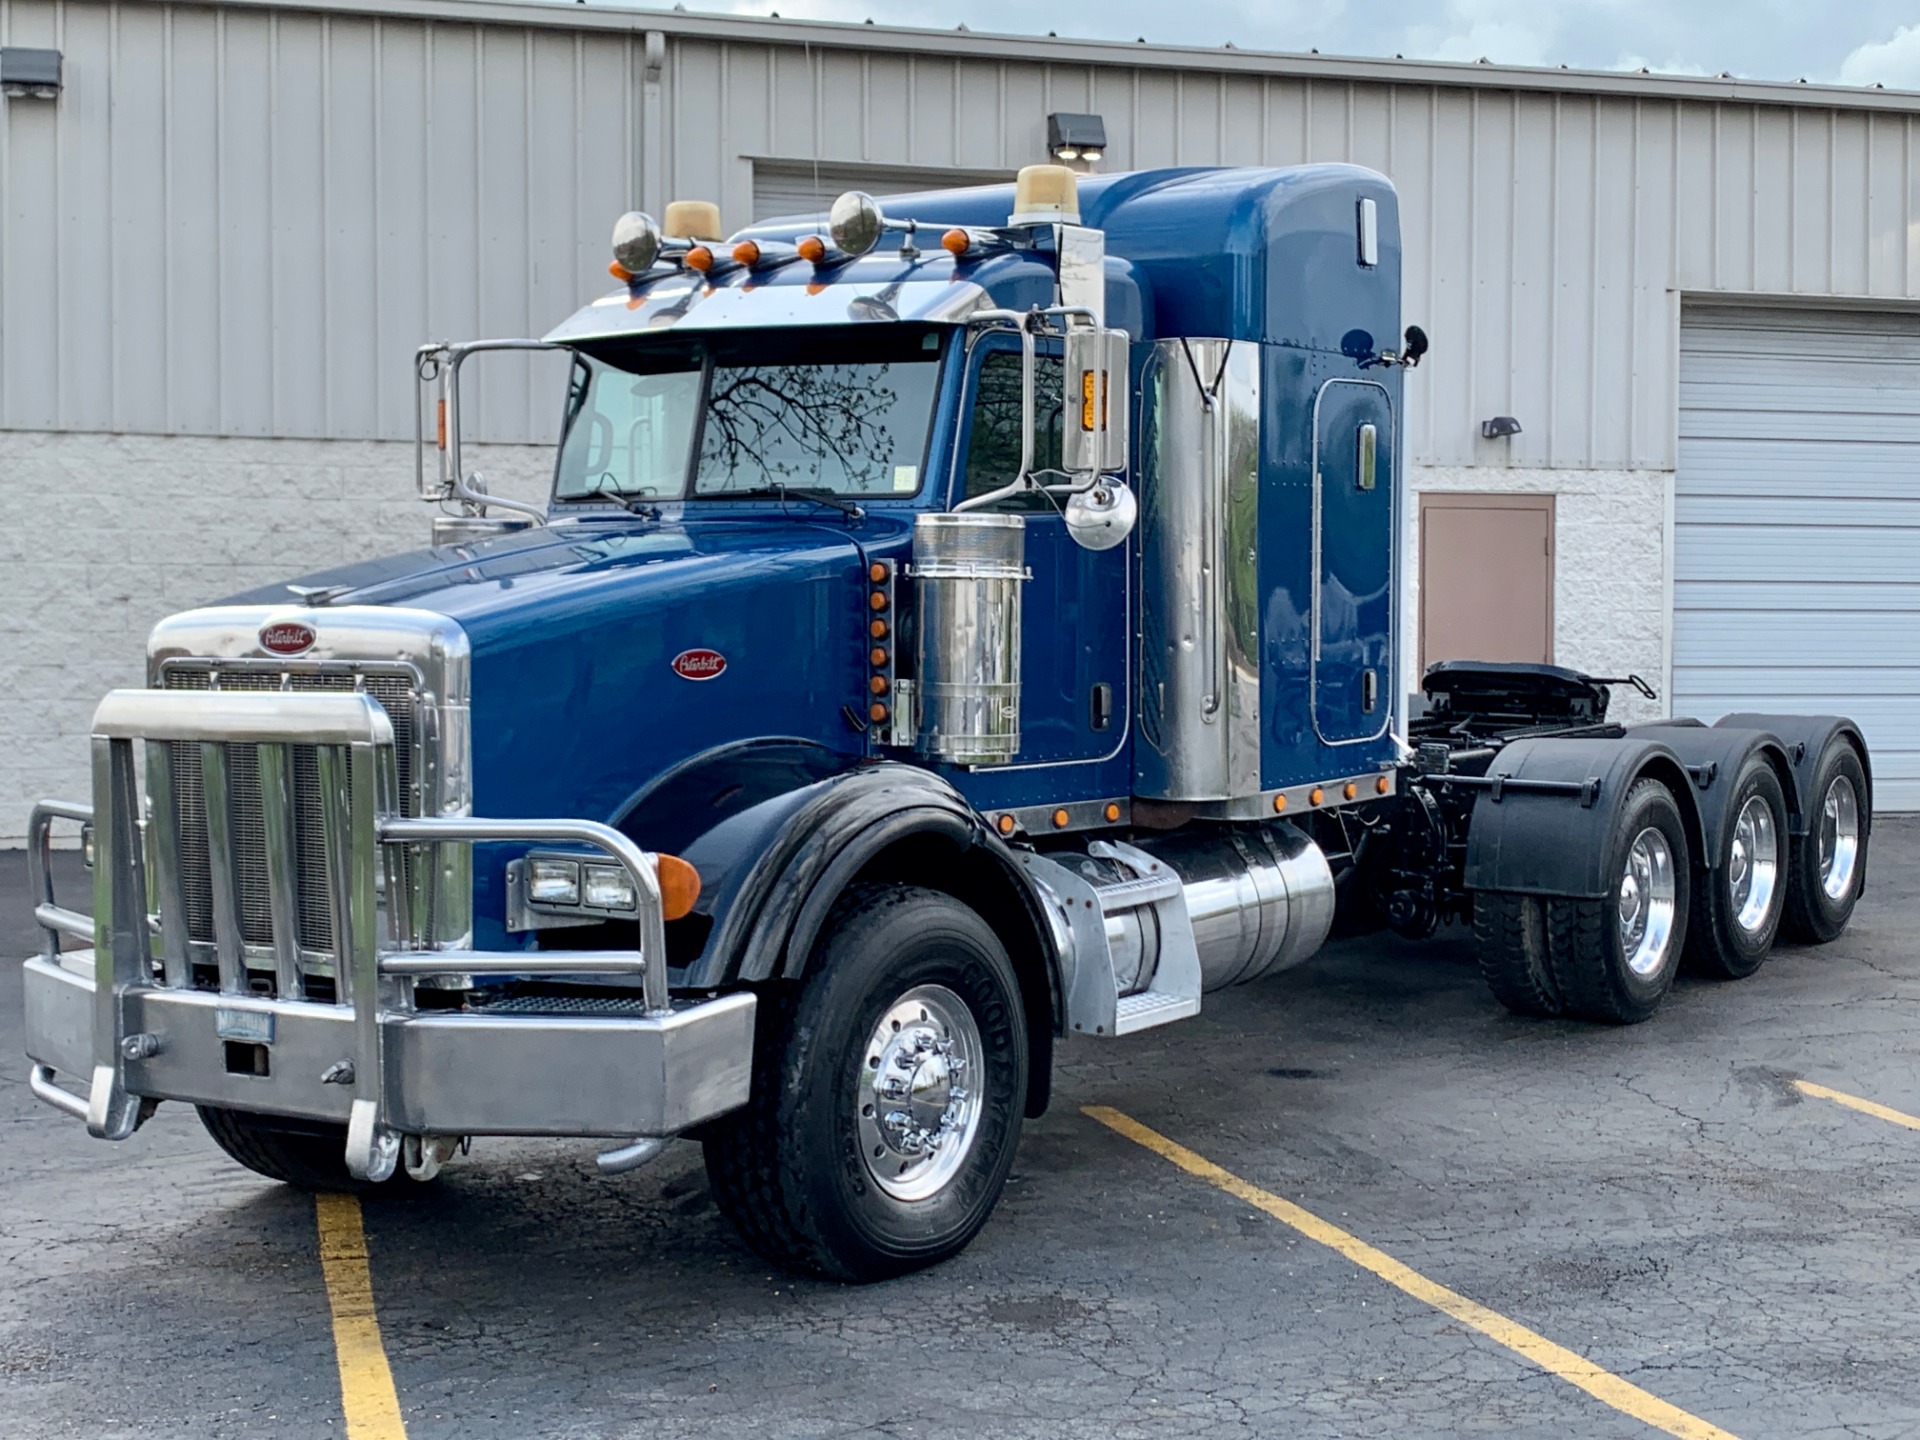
{"points": [[366, 1381], [1603, 1385], [1854, 1102]]}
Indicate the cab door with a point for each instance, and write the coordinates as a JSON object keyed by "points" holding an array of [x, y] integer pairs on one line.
{"points": [[1350, 665], [1076, 610]]}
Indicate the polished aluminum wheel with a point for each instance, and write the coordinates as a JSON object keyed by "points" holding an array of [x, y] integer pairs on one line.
{"points": [[1839, 838], [1648, 901], [1753, 869], [920, 1093]]}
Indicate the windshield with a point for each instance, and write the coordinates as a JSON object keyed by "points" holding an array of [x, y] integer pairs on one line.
{"points": [[751, 414]]}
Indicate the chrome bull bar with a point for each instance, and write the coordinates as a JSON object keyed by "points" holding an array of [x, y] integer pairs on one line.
{"points": [[406, 1071]]}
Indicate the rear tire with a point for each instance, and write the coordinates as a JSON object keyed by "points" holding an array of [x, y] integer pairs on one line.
{"points": [[1737, 904], [1614, 958], [1829, 862], [309, 1155], [1510, 942], [829, 1171]]}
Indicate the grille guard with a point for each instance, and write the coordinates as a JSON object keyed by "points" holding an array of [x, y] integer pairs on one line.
{"points": [[404, 1071]]}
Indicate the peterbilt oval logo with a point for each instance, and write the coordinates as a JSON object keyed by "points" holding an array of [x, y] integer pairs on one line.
{"points": [[289, 637], [699, 664]]}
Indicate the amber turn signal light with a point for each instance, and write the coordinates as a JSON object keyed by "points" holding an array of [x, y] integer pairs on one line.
{"points": [[679, 886]]}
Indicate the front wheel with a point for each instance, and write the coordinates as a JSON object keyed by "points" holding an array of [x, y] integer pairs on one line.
{"points": [[887, 1093]]}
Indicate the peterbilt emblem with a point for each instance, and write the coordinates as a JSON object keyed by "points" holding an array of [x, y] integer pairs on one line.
{"points": [[699, 664], [289, 637]]}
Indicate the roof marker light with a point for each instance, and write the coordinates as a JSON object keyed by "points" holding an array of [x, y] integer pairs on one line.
{"points": [[747, 252], [700, 258], [812, 248], [956, 242]]}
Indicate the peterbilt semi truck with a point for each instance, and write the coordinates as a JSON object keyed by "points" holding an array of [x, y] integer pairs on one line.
{"points": [[960, 629]]}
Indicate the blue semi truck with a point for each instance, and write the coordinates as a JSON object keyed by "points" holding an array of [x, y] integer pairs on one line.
{"points": [[959, 629]]}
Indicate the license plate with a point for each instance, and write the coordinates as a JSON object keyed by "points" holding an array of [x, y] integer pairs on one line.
{"points": [[252, 1026]]}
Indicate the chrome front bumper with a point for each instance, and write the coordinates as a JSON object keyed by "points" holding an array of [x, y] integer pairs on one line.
{"points": [[133, 1023], [446, 1072]]}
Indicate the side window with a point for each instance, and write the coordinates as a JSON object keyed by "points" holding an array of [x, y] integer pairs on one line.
{"points": [[993, 452]]}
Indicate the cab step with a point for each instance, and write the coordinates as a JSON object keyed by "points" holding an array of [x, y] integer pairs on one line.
{"points": [[1095, 1005]]}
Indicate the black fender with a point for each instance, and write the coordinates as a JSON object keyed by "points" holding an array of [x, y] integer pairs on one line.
{"points": [[1547, 835], [779, 828], [1805, 738], [1714, 755]]}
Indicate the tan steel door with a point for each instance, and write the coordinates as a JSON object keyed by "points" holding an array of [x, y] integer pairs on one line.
{"points": [[1486, 578]]}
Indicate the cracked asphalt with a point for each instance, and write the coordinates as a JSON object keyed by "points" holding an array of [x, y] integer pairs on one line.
{"points": [[1658, 1199]]}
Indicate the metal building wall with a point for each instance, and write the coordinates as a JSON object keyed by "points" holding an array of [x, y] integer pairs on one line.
{"points": [[267, 208]]}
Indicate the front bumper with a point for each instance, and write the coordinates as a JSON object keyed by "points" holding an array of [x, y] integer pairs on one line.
{"points": [[446, 1072], [136, 1020]]}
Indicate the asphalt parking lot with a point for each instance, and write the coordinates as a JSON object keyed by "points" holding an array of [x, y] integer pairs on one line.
{"points": [[1663, 1202]]}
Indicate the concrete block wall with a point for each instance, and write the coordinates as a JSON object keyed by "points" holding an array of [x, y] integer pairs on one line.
{"points": [[1611, 569], [102, 535]]}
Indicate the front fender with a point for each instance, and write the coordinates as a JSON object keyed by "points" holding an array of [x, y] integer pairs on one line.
{"points": [[1533, 843]]}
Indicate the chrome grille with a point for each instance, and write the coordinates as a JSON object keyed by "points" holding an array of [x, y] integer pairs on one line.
{"points": [[393, 690]]}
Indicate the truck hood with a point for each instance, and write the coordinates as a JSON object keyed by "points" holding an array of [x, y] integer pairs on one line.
{"points": [[606, 651]]}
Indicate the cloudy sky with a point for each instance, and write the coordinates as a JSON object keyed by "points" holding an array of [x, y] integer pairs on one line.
{"points": [[1860, 43]]}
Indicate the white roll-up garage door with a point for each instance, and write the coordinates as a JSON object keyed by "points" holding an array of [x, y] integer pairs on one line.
{"points": [[801, 187], [1797, 524]]}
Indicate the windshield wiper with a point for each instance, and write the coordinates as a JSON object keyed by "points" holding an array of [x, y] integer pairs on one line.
{"points": [[776, 491]]}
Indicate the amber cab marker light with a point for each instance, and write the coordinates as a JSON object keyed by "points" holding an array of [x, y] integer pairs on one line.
{"points": [[877, 600], [812, 248], [1352, 790], [1318, 795], [878, 684], [1279, 804], [1112, 812], [1380, 786], [956, 242], [747, 253], [679, 886], [619, 271], [700, 258], [1059, 819], [1005, 824], [876, 572], [878, 657], [878, 629], [877, 713]]}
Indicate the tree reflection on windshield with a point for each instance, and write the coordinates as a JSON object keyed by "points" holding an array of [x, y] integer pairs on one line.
{"points": [[852, 429]]}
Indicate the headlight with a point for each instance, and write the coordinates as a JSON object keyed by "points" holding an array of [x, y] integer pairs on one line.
{"points": [[609, 887], [556, 882]]}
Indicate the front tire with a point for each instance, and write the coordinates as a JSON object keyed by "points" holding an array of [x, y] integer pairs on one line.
{"points": [[1614, 958], [887, 1094], [1829, 862], [308, 1155]]}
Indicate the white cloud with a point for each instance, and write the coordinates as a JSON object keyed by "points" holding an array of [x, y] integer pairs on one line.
{"points": [[1894, 63]]}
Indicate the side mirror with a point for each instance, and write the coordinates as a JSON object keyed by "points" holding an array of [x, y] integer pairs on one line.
{"points": [[1098, 400], [1102, 517]]}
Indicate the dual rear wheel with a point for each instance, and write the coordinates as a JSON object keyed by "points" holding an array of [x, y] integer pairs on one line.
{"points": [[1613, 959]]}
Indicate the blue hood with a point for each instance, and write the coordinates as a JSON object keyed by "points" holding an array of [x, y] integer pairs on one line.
{"points": [[575, 629]]}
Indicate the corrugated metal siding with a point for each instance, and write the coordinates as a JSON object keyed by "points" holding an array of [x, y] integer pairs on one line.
{"points": [[1797, 524], [276, 207]]}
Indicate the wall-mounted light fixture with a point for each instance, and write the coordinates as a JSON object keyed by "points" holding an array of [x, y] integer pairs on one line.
{"points": [[1499, 427], [29, 74], [1076, 137]]}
